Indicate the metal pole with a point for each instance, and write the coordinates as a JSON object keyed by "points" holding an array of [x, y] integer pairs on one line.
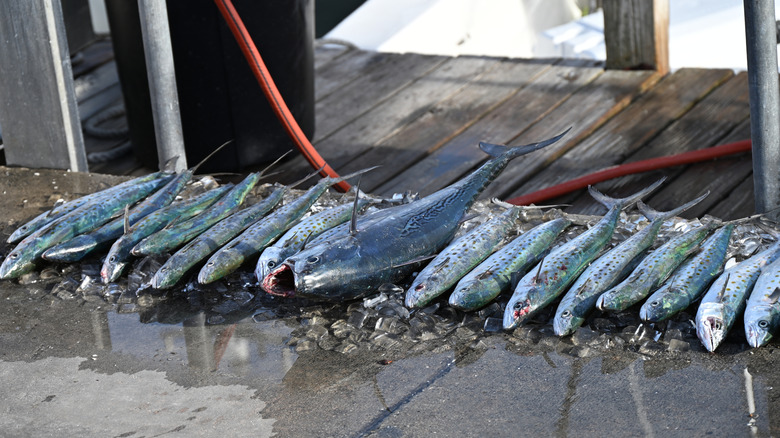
{"points": [[764, 102], [162, 81]]}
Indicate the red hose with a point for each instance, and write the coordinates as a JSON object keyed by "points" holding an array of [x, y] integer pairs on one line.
{"points": [[631, 168], [257, 65]]}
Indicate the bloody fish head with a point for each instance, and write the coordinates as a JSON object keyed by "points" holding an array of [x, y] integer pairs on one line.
{"points": [[515, 312]]}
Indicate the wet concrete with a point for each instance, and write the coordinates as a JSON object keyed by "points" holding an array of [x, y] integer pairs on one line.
{"points": [[229, 359]]}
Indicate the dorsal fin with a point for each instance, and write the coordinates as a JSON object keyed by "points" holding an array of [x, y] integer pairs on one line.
{"points": [[774, 296], [262, 172], [353, 219], [302, 180], [333, 181], [127, 218], [722, 293], [56, 204], [652, 215], [609, 202], [538, 271], [195, 167]]}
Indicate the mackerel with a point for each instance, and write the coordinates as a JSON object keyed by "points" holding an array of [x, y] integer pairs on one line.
{"points": [[762, 311], [495, 275], [542, 284], [381, 251], [119, 255], [690, 280], [255, 238], [608, 269], [726, 297]]}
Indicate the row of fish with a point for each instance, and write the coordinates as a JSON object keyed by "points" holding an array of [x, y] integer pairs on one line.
{"points": [[328, 256]]}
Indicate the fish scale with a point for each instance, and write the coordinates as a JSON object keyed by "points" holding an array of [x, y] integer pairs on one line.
{"points": [[608, 269], [294, 239], [493, 276], [652, 270], [255, 238], [690, 280], [119, 254], [381, 251], [726, 297], [461, 256], [541, 285], [762, 310], [83, 219], [170, 238], [210, 240]]}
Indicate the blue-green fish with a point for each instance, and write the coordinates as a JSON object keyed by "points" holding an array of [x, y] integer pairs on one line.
{"points": [[542, 284], [762, 311], [608, 269], [381, 252], [495, 275], [690, 280], [726, 297]]}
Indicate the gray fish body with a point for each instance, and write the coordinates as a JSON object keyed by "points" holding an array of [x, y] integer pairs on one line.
{"points": [[541, 285], [690, 280], [210, 240], [308, 228], [119, 254], [172, 237], [726, 297], [85, 218], [652, 271], [762, 310], [460, 257], [55, 213], [381, 252], [494, 276]]}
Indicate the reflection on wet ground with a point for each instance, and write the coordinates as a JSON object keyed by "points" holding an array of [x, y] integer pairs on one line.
{"points": [[373, 367]]}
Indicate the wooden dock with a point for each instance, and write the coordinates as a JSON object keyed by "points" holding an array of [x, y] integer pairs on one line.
{"points": [[421, 118]]}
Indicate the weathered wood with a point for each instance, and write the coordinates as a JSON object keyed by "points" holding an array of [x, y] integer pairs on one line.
{"points": [[636, 33], [630, 129], [705, 125], [444, 120], [584, 112], [504, 123], [739, 203], [326, 53], [38, 109]]}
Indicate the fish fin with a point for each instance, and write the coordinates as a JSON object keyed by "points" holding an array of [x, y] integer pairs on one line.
{"points": [[774, 296], [468, 217], [442, 264], [507, 205], [170, 164], [514, 279], [495, 150], [56, 204], [485, 274], [195, 168], [262, 172], [346, 177], [127, 219], [353, 218], [722, 293], [538, 271], [749, 218], [652, 215], [415, 260], [609, 202], [311, 175]]}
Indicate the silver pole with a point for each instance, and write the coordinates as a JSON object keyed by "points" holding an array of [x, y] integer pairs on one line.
{"points": [[162, 82], [764, 102]]}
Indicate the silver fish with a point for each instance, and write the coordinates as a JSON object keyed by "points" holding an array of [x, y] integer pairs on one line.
{"points": [[762, 311]]}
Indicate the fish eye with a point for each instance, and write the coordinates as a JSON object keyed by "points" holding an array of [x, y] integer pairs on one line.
{"points": [[566, 313], [517, 305], [13, 255], [210, 264], [313, 259], [163, 269], [717, 326], [655, 303], [763, 323], [271, 264], [112, 259]]}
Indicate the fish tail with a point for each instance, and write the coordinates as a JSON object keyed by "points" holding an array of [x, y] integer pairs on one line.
{"points": [[653, 215], [610, 202], [496, 150]]}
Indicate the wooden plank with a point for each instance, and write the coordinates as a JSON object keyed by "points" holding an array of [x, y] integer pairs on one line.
{"points": [[631, 129], [584, 112], [739, 203], [37, 102], [636, 33], [502, 124], [380, 82], [705, 125], [326, 53], [444, 120], [349, 68]]}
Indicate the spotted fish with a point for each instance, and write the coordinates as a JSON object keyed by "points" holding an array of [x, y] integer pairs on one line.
{"points": [[762, 311]]}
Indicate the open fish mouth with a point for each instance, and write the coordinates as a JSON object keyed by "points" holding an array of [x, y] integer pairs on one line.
{"points": [[280, 282]]}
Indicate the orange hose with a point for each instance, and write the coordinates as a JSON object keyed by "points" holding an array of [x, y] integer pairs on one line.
{"points": [[631, 168], [280, 108]]}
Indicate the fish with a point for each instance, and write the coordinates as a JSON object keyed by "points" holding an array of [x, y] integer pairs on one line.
{"points": [[460, 257], [726, 297], [495, 275], [690, 279], [609, 269], [64, 208], [653, 270], [555, 272], [119, 255], [762, 310], [380, 250], [255, 238], [87, 217], [293, 240]]}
